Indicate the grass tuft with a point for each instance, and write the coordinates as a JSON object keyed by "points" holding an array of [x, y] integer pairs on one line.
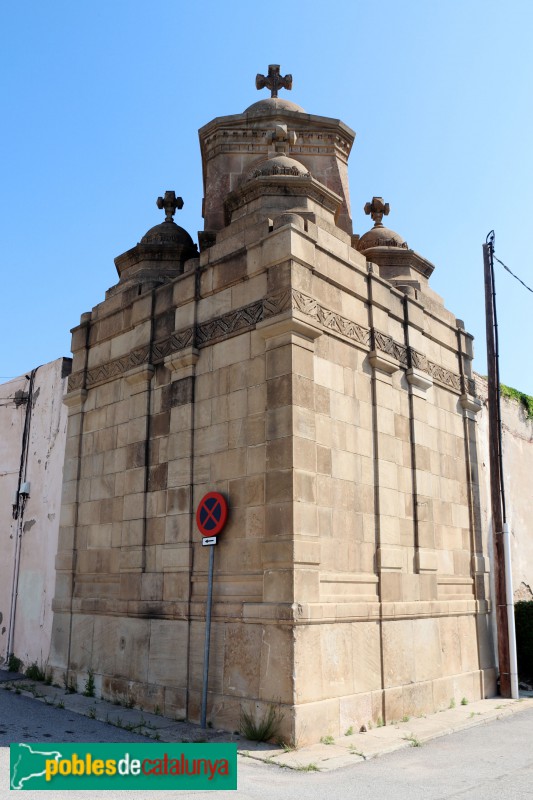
{"points": [[263, 729], [14, 664], [413, 741], [34, 672], [89, 684]]}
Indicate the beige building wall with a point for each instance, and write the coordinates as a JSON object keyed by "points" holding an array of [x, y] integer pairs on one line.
{"points": [[36, 528], [518, 475]]}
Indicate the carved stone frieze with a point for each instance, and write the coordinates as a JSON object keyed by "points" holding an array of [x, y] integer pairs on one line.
{"points": [[247, 317], [330, 319], [387, 344], [229, 323], [418, 360], [75, 381], [277, 303], [444, 376], [112, 369], [468, 386], [176, 341]]}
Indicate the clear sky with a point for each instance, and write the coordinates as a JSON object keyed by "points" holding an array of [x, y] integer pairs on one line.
{"points": [[102, 100]]}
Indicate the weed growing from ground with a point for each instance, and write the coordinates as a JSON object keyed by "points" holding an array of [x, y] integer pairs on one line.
{"points": [[89, 684], [327, 740], [413, 741], [69, 685], [263, 729], [349, 731], [14, 664], [464, 701], [34, 672], [452, 703]]}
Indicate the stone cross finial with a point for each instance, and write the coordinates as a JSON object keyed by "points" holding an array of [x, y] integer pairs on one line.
{"points": [[170, 203], [273, 80], [377, 208]]}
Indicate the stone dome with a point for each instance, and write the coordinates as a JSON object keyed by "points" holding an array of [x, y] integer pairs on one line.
{"points": [[278, 165], [380, 236], [167, 232], [270, 105]]}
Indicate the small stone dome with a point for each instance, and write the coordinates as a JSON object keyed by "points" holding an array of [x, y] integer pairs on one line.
{"points": [[279, 165], [380, 236], [270, 105], [167, 232]]}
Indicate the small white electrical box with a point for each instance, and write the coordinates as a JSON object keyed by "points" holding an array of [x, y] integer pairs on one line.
{"points": [[25, 489]]}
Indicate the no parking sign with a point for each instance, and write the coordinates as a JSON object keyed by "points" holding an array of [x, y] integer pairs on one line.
{"points": [[211, 514]]}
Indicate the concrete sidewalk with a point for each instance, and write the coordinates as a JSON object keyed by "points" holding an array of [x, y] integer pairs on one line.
{"points": [[347, 750], [329, 755]]}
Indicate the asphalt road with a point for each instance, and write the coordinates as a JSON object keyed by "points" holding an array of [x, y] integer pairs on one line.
{"points": [[493, 761]]}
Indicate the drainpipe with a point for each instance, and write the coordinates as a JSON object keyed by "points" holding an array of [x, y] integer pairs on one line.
{"points": [[18, 513]]}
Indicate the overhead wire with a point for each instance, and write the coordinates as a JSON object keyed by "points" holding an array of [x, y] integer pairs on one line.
{"points": [[512, 273]]}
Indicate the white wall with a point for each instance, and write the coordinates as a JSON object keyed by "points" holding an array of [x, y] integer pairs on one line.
{"points": [[518, 478], [40, 522]]}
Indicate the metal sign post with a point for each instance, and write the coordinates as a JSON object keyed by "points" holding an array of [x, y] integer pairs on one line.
{"points": [[211, 517]]}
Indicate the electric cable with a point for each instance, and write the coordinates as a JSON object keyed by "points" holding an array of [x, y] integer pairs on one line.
{"points": [[512, 273]]}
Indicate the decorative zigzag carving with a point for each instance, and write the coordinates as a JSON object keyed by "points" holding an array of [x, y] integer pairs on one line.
{"points": [[247, 317], [75, 381], [444, 375], [388, 345], [330, 319]]}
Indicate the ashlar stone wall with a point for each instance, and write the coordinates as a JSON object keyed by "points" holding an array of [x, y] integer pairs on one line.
{"points": [[337, 413]]}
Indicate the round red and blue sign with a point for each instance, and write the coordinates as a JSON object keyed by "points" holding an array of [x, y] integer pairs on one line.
{"points": [[211, 514]]}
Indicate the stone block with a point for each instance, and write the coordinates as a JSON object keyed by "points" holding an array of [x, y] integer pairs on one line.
{"points": [[276, 682], [278, 586], [167, 660], [398, 660], [175, 557], [123, 647], [314, 720], [278, 486], [418, 699], [394, 705]]}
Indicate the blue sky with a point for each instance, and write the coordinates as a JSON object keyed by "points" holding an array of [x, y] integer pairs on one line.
{"points": [[102, 102]]}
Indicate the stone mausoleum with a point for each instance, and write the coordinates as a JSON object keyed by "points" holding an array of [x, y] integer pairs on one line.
{"points": [[315, 379]]}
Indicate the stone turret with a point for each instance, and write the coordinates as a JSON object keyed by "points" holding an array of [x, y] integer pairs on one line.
{"points": [[231, 145], [162, 252], [397, 263]]}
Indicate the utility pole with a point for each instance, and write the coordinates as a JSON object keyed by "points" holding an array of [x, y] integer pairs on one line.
{"points": [[500, 529]]}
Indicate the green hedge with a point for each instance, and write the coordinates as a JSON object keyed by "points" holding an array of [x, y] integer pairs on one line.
{"points": [[523, 615]]}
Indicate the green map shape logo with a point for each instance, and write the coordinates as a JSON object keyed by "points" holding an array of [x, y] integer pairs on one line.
{"points": [[30, 763]]}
